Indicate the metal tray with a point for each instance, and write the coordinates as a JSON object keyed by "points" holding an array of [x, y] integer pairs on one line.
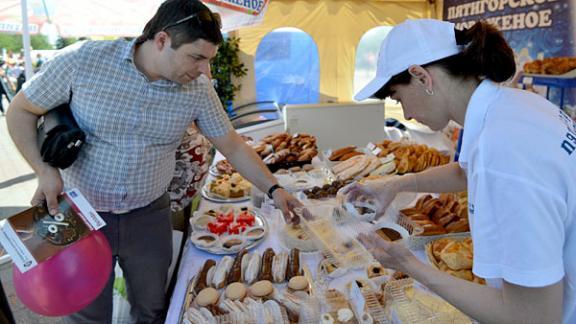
{"points": [[217, 249]]}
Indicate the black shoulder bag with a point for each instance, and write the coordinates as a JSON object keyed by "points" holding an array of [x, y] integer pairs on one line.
{"points": [[59, 137]]}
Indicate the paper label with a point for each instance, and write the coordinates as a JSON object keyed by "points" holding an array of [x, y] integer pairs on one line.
{"points": [[19, 253], [377, 151], [85, 210], [371, 146]]}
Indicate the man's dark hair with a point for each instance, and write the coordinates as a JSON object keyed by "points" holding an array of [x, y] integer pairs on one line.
{"points": [[198, 22]]}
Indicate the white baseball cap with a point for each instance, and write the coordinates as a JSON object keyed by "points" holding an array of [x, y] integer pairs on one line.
{"points": [[415, 41]]}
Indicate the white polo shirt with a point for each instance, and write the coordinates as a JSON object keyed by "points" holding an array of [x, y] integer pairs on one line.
{"points": [[519, 153]]}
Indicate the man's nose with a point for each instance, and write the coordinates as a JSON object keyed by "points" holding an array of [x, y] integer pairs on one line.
{"points": [[205, 69]]}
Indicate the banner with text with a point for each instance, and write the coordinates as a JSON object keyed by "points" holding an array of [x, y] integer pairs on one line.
{"points": [[238, 13], [535, 29]]}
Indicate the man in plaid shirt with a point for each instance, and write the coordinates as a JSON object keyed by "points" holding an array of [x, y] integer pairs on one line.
{"points": [[134, 100]]}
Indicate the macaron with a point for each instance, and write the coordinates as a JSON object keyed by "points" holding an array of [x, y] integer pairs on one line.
{"points": [[261, 289], [235, 291], [298, 283], [206, 297]]}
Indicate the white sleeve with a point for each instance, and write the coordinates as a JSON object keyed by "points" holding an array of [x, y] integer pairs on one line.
{"points": [[518, 229]]}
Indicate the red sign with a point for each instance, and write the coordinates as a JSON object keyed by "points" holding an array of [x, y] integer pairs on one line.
{"points": [[251, 7]]}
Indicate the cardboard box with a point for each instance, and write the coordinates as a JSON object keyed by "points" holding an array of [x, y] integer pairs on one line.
{"points": [[34, 235]]}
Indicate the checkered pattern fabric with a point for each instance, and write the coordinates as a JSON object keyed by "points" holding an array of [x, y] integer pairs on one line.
{"points": [[133, 125]]}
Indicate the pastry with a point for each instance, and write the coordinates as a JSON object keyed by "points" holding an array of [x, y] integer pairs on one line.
{"points": [[233, 243], [456, 256], [274, 310], [345, 315], [206, 297], [236, 291], [388, 234], [255, 233], [201, 315], [235, 273], [261, 289], [203, 239], [266, 270], [298, 283], [366, 318], [221, 272], [337, 154], [201, 222], [326, 318], [224, 167], [279, 265], [245, 262], [293, 268], [252, 268], [201, 283], [375, 270]]}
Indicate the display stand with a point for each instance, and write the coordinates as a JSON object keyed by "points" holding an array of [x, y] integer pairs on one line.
{"points": [[563, 82]]}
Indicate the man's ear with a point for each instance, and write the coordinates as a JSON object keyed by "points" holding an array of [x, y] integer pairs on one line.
{"points": [[421, 75], [161, 40]]}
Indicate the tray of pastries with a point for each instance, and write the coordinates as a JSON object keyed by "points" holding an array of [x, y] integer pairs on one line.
{"points": [[432, 217], [411, 157], [269, 287], [283, 150], [553, 67], [453, 256], [227, 189], [228, 230], [301, 178]]}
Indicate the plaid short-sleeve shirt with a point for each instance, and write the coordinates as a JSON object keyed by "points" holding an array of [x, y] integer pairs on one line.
{"points": [[133, 125]]}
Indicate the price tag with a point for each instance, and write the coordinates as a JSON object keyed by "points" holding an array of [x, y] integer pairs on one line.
{"points": [[527, 80], [377, 151], [371, 146]]}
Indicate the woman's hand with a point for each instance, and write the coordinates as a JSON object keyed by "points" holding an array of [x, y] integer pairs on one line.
{"points": [[50, 185], [392, 255], [381, 191]]}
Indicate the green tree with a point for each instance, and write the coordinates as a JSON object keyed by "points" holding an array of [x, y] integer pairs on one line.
{"points": [[11, 42], [62, 42], [14, 42], [40, 42], [225, 66]]}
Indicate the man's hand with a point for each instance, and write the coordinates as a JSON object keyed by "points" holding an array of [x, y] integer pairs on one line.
{"points": [[50, 185], [286, 203]]}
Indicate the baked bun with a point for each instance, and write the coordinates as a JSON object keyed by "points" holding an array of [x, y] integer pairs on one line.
{"points": [[298, 283], [236, 291], [261, 289], [207, 297]]}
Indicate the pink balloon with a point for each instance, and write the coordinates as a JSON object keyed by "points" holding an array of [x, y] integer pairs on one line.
{"points": [[69, 280]]}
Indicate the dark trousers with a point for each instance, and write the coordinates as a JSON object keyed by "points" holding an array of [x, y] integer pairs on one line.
{"points": [[141, 243]]}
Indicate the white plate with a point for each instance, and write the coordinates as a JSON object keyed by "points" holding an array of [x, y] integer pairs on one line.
{"points": [[248, 244], [213, 170], [219, 199]]}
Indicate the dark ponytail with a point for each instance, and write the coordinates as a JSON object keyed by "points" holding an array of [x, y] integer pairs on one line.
{"points": [[486, 54]]}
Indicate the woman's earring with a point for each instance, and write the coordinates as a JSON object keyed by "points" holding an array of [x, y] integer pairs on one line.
{"points": [[430, 92]]}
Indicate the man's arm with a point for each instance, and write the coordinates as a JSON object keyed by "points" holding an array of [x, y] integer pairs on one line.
{"points": [[251, 167], [22, 118]]}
